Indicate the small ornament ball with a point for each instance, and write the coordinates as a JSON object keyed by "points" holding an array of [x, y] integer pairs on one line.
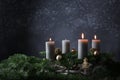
{"points": [[73, 51], [96, 52], [57, 51], [58, 57]]}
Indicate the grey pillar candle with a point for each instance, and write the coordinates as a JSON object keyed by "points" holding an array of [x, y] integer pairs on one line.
{"points": [[96, 43], [82, 47], [65, 46], [50, 49]]}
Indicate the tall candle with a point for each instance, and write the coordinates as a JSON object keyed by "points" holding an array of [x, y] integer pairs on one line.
{"points": [[50, 49], [65, 46], [96, 43], [82, 47]]}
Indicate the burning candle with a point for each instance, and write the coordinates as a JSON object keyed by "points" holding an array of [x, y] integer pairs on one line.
{"points": [[96, 43], [82, 47], [65, 46], [50, 49]]}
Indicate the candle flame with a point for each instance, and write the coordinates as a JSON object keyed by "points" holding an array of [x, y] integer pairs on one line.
{"points": [[95, 37], [82, 35], [50, 39]]}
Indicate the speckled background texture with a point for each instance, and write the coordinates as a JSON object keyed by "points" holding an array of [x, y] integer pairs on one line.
{"points": [[25, 25]]}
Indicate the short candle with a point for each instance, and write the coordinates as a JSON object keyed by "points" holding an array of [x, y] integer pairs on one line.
{"points": [[65, 46], [96, 43], [50, 49]]}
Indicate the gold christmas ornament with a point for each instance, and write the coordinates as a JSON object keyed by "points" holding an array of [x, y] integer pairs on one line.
{"points": [[92, 50], [58, 57], [57, 51], [73, 51], [96, 53]]}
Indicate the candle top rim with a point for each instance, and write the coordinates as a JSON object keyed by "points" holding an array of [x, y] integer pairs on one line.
{"points": [[66, 39], [96, 40], [50, 41], [82, 40]]}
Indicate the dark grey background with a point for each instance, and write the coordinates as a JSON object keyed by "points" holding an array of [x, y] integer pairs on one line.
{"points": [[25, 25]]}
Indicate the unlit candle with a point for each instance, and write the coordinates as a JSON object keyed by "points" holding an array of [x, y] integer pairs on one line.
{"points": [[65, 46]]}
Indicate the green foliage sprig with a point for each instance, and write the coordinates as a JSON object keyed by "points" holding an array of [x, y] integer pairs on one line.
{"points": [[22, 67]]}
